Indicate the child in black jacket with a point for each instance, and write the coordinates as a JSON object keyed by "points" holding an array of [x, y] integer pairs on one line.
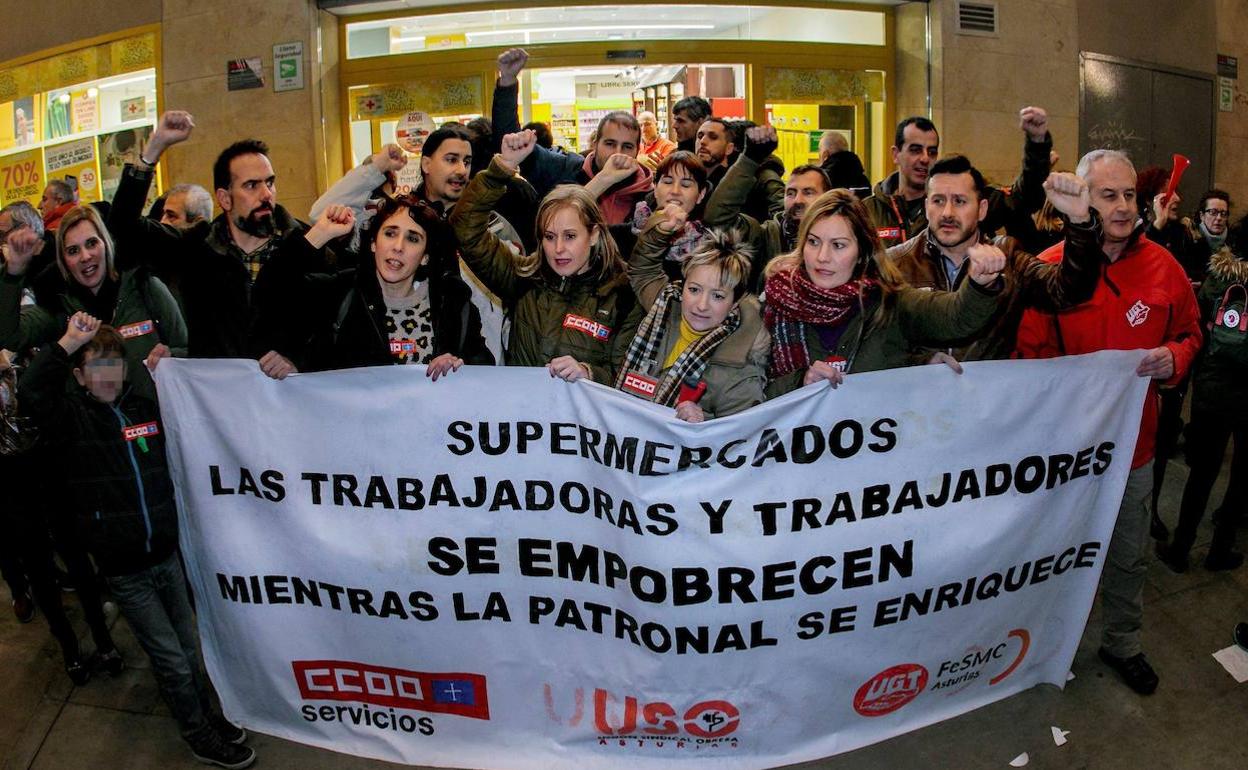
{"points": [[114, 461]]}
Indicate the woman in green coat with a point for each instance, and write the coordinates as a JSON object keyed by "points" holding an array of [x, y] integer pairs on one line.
{"points": [[134, 302], [833, 306], [573, 310]]}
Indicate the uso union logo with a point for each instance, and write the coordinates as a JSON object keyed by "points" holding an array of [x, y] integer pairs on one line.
{"points": [[890, 689]]}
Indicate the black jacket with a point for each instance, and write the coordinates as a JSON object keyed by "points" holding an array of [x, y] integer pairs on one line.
{"points": [[336, 320], [216, 285], [121, 490]]}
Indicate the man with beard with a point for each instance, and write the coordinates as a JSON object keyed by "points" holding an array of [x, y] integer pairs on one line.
{"points": [[956, 205], [714, 147], [896, 205], [776, 235], [214, 262]]}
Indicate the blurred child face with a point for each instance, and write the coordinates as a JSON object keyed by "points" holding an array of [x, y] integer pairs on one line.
{"points": [[102, 376], [705, 302]]}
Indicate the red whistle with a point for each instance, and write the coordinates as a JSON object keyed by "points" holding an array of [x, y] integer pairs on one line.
{"points": [[691, 392]]}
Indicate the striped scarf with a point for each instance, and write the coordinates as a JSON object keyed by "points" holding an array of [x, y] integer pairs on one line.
{"points": [[792, 302], [648, 341]]}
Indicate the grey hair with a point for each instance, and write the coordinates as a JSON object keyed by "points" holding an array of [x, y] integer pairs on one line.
{"points": [[22, 213], [197, 202], [1084, 169], [63, 190]]}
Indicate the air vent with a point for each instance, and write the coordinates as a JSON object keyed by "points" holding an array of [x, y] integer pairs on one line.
{"points": [[978, 18]]}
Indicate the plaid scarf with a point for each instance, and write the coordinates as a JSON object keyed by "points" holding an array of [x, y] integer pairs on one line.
{"points": [[690, 364], [792, 302]]}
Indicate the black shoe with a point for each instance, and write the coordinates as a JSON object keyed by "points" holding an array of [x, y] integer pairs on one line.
{"points": [[229, 732], [1134, 670], [24, 608], [212, 749], [1240, 635], [109, 662], [1219, 561], [79, 672], [1169, 556], [1157, 528]]}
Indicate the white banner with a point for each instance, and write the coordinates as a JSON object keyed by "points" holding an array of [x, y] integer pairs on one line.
{"points": [[502, 570]]}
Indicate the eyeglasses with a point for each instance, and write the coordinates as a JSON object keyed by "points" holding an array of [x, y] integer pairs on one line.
{"points": [[1216, 213]]}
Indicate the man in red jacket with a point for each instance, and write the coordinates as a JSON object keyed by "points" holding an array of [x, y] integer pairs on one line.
{"points": [[1143, 300]]}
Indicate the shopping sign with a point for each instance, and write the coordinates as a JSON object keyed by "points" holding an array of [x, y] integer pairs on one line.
{"points": [[504, 570]]}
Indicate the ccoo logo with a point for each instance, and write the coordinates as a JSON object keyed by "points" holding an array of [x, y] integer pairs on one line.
{"points": [[890, 689]]}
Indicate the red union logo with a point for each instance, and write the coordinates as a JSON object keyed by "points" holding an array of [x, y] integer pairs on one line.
{"points": [[890, 689], [1138, 313], [582, 324], [641, 385], [706, 720], [443, 693]]}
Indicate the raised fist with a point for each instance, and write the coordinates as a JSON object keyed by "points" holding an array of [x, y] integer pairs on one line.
{"points": [[987, 262], [1069, 195], [389, 159], [510, 62], [760, 142], [175, 126], [516, 147], [19, 250], [1035, 121]]}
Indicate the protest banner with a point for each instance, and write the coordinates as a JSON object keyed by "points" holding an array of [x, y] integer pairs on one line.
{"points": [[504, 570]]}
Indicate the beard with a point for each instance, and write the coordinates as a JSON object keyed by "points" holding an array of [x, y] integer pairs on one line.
{"points": [[962, 236], [258, 222]]}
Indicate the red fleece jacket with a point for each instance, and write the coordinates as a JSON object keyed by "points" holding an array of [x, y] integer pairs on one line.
{"points": [[1143, 300]]}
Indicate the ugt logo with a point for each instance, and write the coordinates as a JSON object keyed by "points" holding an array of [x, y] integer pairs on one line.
{"points": [[708, 719], [1137, 314]]}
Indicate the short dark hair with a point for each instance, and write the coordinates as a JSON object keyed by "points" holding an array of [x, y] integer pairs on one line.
{"points": [[544, 137], [448, 131], [107, 342], [221, 177], [440, 241], [918, 121], [694, 107], [690, 162], [480, 128], [738, 129], [959, 164], [620, 118], [811, 168], [1214, 194]]}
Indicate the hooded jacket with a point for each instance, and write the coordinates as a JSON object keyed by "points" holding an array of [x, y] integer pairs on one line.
{"points": [[1142, 300], [591, 320], [736, 373], [120, 485], [618, 202]]}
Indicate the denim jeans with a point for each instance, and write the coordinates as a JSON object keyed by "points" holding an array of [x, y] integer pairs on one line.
{"points": [[155, 603]]}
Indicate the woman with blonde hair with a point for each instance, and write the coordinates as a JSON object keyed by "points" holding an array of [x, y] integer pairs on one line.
{"points": [[702, 347], [573, 310], [833, 306], [132, 301]]}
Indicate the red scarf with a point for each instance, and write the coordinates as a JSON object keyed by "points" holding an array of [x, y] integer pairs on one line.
{"points": [[792, 301]]}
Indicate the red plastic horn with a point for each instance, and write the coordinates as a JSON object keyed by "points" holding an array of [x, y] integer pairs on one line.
{"points": [[1176, 175]]}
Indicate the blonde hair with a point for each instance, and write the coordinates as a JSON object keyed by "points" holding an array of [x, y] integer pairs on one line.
{"points": [[73, 217], [604, 256], [727, 252]]}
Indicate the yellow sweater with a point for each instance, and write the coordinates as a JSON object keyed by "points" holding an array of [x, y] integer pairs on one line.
{"points": [[687, 337]]}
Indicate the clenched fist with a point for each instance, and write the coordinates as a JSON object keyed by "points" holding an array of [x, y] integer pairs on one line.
{"points": [[1069, 195], [987, 262]]}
